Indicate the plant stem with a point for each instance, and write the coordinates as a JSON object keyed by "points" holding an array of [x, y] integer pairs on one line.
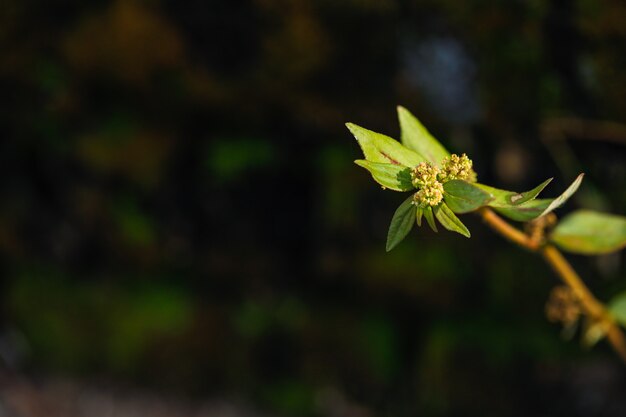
{"points": [[505, 229], [590, 304]]}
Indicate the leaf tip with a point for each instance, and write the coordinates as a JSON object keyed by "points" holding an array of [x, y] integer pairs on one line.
{"points": [[354, 129]]}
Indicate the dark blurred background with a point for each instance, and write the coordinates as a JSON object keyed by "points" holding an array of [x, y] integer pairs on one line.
{"points": [[183, 231]]}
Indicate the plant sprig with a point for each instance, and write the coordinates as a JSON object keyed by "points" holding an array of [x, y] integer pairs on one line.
{"points": [[444, 185]]}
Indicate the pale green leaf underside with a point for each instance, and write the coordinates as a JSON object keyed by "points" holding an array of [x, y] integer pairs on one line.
{"points": [[504, 198], [449, 220], [533, 208], [382, 149], [415, 136], [590, 233], [394, 177], [463, 197], [527, 211], [617, 308], [560, 200], [401, 223]]}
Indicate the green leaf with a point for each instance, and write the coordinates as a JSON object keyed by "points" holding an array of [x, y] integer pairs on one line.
{"points": [[617, 308], [401, 223], [590, 233], [418, 217], [449, 220], [527, 211], [532, 209], [504, 198], [394, 177], [592, 332], [415, 136], [430, 218], [560, 200], [463, 197], [380, 148]]}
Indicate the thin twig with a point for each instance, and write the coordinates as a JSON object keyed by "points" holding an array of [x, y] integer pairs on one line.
{"points": [[594, 308], [505, 229]]}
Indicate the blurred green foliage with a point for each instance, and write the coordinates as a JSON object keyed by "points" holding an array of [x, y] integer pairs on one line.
{"points": [[231, 159], [76, 326]]}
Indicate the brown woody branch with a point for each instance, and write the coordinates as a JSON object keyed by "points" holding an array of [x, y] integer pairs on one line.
{"points": [[590, 304]]}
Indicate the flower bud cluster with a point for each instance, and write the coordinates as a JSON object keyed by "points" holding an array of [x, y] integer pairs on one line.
{"points": [[424, 176], [429, 179], [457, 167], [430, 195], [563, 306]]}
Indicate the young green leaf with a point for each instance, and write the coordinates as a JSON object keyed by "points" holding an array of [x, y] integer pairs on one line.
{"points": [[380, 148], [535, 208], [560, 200], [418, 217], [449, 220], [463, 197], [415, 136], [590, 233], [504, 198], [394, 177], [430, 218], [527, 211], [617, 308], [401, 223], [592, 332]]}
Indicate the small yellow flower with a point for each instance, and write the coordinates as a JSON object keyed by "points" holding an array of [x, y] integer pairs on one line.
{"points": [[424, 174], [429, 179], [424, 177], [429, 195], [457, 167]]}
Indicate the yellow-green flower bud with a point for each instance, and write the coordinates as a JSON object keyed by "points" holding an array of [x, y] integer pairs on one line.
{"points": [[457, 167], [424, 174], [429, 195]]}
